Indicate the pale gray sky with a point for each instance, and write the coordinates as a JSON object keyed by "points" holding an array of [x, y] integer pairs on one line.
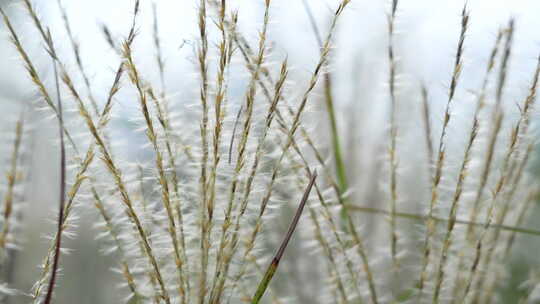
{"points": [[427, 30]]}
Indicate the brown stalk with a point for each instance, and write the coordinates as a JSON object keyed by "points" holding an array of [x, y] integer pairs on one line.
{"points": [[62, 193], [393, 133], [272, 268]]}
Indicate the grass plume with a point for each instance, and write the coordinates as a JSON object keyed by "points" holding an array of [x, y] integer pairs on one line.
{"points": [[191, 154]]}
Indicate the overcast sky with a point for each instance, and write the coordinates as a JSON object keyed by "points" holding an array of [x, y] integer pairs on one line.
{"points": [[426, 40]]}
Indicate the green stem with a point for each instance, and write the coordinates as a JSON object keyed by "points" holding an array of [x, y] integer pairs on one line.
{"points": [[334, 134], [338, 156], [417, 217]]}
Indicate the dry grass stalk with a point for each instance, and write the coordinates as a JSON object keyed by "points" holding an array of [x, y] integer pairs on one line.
{"points": [[163, 181], [392, 151], [439, 165]]}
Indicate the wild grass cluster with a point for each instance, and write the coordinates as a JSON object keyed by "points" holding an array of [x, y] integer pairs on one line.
{"points": [[429, 212]]}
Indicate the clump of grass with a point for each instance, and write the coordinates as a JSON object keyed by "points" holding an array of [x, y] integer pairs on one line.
{"points": [[194, 220]]}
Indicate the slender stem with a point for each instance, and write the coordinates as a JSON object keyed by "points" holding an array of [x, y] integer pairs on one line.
{"points": [[48, 297], [271, 270], [412, 216]]}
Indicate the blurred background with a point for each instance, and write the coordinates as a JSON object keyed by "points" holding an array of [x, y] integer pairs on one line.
{"points": [[426, 38]]}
